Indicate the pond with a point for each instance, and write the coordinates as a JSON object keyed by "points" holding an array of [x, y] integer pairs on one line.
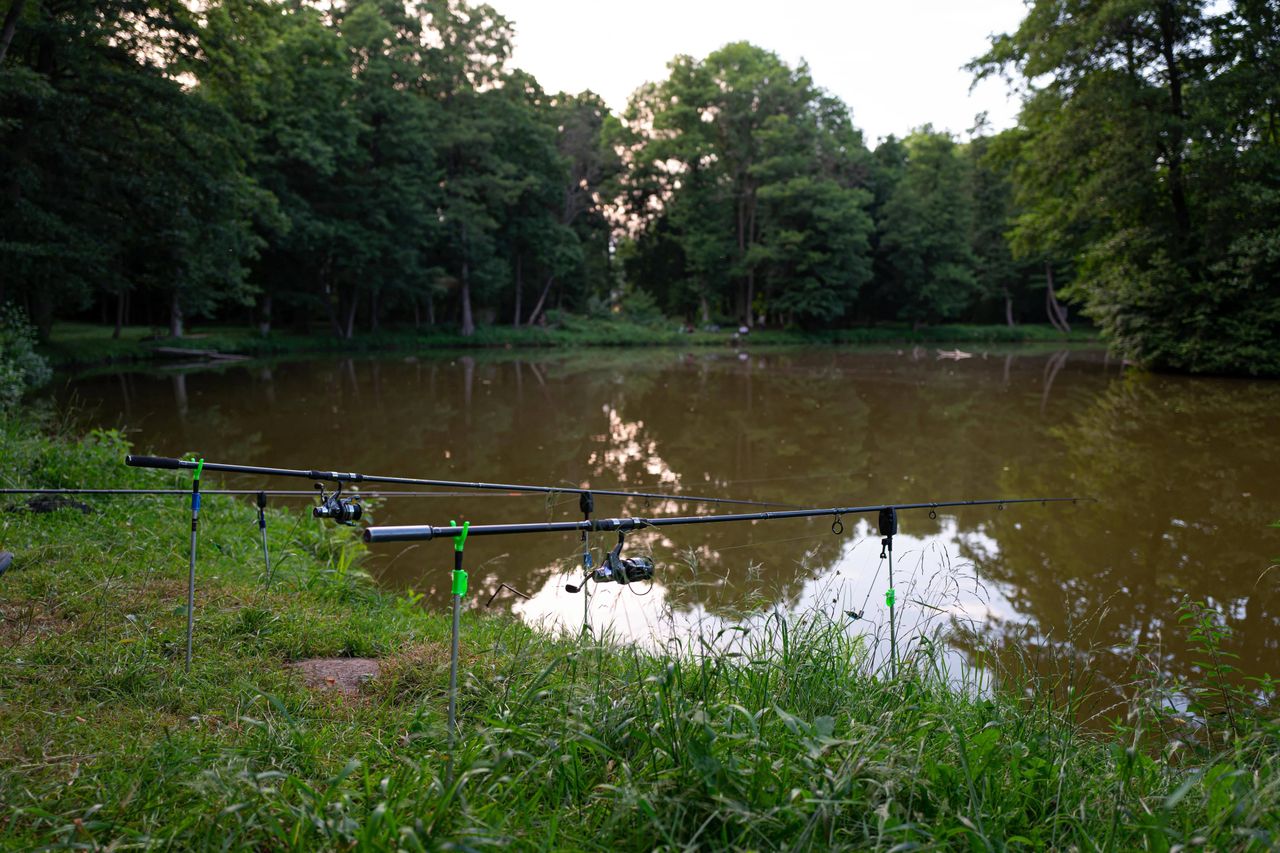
{"points": [[1186, 473]]}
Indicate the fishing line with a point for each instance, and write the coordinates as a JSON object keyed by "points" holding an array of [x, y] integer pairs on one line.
{"points": [[772, 542], [858, 614]]}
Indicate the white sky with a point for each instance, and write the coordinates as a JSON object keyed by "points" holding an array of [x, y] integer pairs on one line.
{"points": [[896, 63]]}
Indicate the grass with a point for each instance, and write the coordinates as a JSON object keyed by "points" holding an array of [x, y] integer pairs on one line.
{"points": [[81, 343], [789, 741]]}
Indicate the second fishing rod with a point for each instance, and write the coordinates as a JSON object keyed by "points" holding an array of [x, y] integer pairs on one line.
{"points": [[345, 477]]}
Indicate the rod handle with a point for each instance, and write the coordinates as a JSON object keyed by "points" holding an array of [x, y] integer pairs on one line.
{"points": [[407, 533], [152, 462]]}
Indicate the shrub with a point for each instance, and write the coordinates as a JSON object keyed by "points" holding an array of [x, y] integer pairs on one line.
{"points": [[21, 367], [641, 308]]}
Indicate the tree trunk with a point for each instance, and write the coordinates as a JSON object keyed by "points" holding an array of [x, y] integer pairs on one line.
{"points": [[751, 271], [431, 310], [468, 322], [1055, 309], [349, 324], [515, 319], [542, 299], [1177, 189], [175, 316], [264, 316], [332, 299], [10, 26], [373, 311], [115, 334], [40, 311], [1008, 309], [705, 306]]}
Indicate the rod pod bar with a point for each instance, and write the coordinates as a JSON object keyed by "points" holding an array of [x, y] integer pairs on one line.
{"points": [[169, 463], [426, 532]]}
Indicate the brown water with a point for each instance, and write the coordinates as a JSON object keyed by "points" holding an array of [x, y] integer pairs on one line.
{"points": [[1186, 473]]}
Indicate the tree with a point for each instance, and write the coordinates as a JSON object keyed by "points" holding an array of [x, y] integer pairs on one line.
{"points": [[1170, 206], [758, 176], [925, 231], [116, 178], [814, 247]]}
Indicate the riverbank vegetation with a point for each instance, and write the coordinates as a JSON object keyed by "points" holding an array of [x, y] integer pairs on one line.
{"points": [[87, 344], [792, 741], [359, 165]]}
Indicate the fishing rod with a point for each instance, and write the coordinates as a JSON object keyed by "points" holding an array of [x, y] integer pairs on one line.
{"points": [[426, 532], [343, 511], [628, 570], [288, 493]]}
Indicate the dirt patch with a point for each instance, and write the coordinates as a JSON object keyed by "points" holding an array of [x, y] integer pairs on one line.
{"points": [[29, 621], [347, 675], [51, 503]]}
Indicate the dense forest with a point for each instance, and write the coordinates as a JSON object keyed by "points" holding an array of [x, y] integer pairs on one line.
{"points": [[351, 165]]}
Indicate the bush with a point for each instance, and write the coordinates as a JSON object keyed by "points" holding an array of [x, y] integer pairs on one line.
{"points": [[639, 306], [20, 366]]}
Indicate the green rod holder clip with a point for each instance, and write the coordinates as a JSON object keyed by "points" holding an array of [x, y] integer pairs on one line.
{"points": [[459, 587]]}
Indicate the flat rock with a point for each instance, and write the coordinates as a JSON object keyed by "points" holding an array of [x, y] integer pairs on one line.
{"points": [[343, 674]]}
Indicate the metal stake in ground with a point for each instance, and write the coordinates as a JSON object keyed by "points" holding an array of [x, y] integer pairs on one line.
{"points": [[262, 528], [191, 572], [888, 524], [459, 589]]}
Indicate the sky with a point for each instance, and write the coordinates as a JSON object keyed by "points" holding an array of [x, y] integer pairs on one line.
{"points": [[896, 63]]}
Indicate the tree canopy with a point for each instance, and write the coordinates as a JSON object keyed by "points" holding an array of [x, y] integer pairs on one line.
{"points": [[370, 162]]}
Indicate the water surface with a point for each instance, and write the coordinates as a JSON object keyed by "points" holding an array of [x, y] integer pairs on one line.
{"points": [[1186, 473]]}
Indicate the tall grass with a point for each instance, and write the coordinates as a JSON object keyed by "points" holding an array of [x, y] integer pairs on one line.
{"points": [[788, 737]]}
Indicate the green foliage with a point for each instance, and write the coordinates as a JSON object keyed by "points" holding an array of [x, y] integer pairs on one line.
{"points": [[638, 306], [751, 183], [1150, 155], [21, 367], [117, 177], [925, 231], [369, 162]]}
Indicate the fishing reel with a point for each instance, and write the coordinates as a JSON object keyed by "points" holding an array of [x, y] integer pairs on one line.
{"points": [[617, 569], [334, 506]]}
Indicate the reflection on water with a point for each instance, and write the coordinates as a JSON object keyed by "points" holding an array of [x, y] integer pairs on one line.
{"points": [[1187, 472]]}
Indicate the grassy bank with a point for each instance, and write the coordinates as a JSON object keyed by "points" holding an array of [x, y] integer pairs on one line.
{"points": [[106, 742], [76, 343]]}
